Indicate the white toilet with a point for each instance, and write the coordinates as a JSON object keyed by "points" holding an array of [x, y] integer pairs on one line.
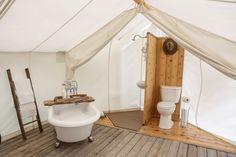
{"points": [[169, 96]]}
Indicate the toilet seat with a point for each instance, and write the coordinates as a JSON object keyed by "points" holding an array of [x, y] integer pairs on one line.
{"points": [[165, 105]]}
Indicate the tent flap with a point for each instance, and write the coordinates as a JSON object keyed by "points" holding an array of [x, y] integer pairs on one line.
{"points": [[213, 49], [88, 48]]}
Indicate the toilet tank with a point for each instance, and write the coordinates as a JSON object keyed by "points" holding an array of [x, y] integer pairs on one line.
{"points": [[170, 93]]}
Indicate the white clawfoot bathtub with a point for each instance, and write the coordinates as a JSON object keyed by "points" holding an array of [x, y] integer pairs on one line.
{"points": [[73, 122]]}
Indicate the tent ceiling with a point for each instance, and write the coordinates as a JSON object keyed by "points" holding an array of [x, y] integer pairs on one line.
{"points": [[28, 22], [213, 16]]}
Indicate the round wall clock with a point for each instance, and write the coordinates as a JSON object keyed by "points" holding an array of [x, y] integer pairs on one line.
{"points": [[169, 46]]}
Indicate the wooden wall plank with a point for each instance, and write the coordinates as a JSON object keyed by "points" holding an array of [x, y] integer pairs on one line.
{"points": [[180, 65], [174, 69], [150, 90], [169, 70], [160, 72], [179, 79], [161, 62]]}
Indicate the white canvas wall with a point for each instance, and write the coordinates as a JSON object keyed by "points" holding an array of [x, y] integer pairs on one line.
{"points": [[124, 73], [124, 69], [217, 102], [17, 63], [92, 79], [47, 76]]}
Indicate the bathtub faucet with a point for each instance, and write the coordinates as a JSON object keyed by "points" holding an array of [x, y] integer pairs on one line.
{"points": [[74, 85], [71, 87]]}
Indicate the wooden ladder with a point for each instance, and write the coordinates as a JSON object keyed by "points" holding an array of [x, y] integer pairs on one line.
{"points": [[17, 104]]}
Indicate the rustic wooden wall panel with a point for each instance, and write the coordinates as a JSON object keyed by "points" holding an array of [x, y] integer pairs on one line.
{"points": [[172, 67], [168, 71], [160, 72], [179, 79], [171, 71], [150, 93]]}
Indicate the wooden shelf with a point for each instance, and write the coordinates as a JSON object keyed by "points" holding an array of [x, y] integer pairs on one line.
{"points": [[59, 100]]}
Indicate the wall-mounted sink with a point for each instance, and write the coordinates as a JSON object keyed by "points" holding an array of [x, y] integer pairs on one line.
{"points": [[141, 84]]}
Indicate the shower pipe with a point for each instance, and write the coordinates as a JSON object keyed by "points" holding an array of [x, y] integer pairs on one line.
{"points": [[137, 35]]}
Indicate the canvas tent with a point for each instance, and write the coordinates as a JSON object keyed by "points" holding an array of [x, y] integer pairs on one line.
{"points": [[208, 34]]}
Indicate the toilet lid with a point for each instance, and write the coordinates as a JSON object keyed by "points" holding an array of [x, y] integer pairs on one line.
{"points": [[164, 104]]}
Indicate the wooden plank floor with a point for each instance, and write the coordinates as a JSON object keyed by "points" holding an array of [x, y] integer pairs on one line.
{"points": [[108, 141], [191, 134]]}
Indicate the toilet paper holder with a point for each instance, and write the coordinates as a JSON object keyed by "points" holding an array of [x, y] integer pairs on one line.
{"points": [[184, 112]]}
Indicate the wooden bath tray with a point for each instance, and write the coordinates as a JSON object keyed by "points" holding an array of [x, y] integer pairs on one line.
{"points": [[59, 100]]}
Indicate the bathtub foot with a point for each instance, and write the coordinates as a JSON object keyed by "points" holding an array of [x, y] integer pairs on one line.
{"points": [[102, 115], [90, 138], [57, 144]]}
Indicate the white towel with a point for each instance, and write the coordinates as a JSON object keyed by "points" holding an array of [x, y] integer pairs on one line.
{"points": [[28, 110], [24, 91]]}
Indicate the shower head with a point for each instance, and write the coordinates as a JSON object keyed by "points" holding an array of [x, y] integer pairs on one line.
{"points": [[137, 35]]}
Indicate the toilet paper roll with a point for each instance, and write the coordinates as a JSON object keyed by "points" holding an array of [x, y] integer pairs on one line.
{"points": [[185, 99]]}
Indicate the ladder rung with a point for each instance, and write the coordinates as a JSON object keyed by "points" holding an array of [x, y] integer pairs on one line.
{"points": [[30, 122]]}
